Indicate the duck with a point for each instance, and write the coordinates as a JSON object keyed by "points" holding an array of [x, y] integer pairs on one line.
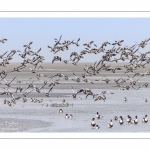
{"points": [[121, 120], [93, 122], [97, 127], [41, 100], [110, 125], [80, 98], [136, 120], [115, 118], [63, 100], [71, 116], [5, 101], [38, 101], [35, 100], [125, 99], [146, 100], [132, 121], [14, 102], [9, 103], [67, 116], [60, 111], [98, 116], [129, 119], [145, 120], [32, 100], [24, 100]]}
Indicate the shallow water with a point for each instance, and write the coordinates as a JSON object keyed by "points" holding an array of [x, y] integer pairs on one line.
{"points": [[36, 117], [47, 119]]}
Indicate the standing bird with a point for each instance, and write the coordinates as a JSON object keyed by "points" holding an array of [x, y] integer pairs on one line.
{"points": [[146, 100], [121, 120], [125, 99], [145, 120], [93, 122], [115, 118], [71, 116], [60, 111], [129, 119], [136, 120], [63, 100], [110, 125], [97, 127], [67, 116], [98, 116]]}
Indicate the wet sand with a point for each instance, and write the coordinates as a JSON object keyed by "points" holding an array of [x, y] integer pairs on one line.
{"points": [[36, 117]]}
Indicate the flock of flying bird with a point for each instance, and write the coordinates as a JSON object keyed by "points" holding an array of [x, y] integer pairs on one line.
{"points": [[116, 53]]}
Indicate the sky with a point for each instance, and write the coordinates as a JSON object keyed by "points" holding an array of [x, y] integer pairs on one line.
{"points": [[42, 31]]}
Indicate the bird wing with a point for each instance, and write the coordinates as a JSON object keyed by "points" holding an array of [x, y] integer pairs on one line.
{"points": [[39, 50], [30, 43], [13, 79], [60, 38], [41, 67], [78, 40], [4, 53], [30, 91], [53, 60], [50, 89], [75, 75]]}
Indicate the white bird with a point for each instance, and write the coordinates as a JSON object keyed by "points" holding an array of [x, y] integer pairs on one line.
{"points": [[145, 120], [60, 111], [110, 125], [97, 127], [67, 116], [93, 122]]}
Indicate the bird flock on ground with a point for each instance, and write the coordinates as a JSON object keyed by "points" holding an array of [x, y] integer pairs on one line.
{"points": [[108, 52]]}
